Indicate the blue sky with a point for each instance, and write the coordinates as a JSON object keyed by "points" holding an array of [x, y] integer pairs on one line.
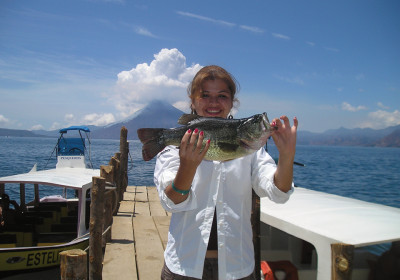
{"points": [[329, 63]]}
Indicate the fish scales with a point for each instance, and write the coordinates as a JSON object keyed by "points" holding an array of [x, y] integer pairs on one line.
{"points": [[230, 138]]}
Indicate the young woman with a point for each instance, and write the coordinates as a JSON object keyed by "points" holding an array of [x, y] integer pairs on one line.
{"points": [[210, 234]]}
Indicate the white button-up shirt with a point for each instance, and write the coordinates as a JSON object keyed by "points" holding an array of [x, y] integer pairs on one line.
{"points": [[224, 186]]}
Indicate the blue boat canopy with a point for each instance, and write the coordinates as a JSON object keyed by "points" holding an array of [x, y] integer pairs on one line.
{"points": [[65, 130]]}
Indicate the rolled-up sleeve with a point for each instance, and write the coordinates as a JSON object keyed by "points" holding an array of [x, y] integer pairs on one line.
{"points": [[167, 165], [263, 171]]}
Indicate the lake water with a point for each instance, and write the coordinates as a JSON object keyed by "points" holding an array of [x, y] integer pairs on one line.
{"points": [[365, 173]]}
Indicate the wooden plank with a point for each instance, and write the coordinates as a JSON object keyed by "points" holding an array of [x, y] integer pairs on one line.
{"points": [[156, 209], [119, 262], [126, 208], [141, 194], [122, 229], [149, 249], [152, 194], [142, 208], [119, 258], [162, 224]]}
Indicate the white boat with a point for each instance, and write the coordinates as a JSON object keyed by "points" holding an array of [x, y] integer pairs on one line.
{"points": [[34, 233], [304, 230]]}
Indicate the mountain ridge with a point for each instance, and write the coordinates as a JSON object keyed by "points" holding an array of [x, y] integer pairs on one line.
{"points": [[160, 114]]}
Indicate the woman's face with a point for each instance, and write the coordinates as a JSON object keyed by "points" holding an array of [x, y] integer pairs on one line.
{"points": [[215, 100]]}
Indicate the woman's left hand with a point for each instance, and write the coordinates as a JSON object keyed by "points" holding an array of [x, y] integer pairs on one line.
{"points": [[285, 136]]}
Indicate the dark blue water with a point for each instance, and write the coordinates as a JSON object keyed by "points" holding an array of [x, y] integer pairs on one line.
{"points": [[370, 174]]}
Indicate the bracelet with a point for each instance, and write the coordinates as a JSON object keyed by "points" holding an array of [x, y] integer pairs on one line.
{"points": [[178, 190]]}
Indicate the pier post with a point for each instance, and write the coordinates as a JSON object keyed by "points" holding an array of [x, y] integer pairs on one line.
{"points": [[73, 265], [123, 149], [115, 163], [96, 229], [2, 189], [107, 172]]}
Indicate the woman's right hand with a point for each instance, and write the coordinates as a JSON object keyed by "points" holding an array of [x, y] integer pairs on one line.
{"points": [[191, 151]]}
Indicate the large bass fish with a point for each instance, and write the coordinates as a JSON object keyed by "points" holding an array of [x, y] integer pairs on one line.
{"points": [[230, 138]]}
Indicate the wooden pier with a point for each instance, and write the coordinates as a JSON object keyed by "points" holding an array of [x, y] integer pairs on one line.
{"points": [[138, 238]]}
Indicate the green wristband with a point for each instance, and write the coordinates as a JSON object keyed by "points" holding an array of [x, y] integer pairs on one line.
{"points": [[178, 190]]}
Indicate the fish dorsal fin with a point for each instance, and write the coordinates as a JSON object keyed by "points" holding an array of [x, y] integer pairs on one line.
{"points": [[187, 118], [227, 147]]}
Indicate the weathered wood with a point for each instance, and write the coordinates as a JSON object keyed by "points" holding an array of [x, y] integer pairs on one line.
{"points": [[162, 224], [96, 229], [73, 265], [141, 194], [2, 188], [107, 172], [108, 215], [123, 149], [114, 162], [150, 259], [119, 258], [342, 261], [149, 232]]}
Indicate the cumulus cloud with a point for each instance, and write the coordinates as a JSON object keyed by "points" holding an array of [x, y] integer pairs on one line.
{"points": [[165, 78], [55, 126], [4, 120], [37, 127], [98, 119], [347, 107], [69, 118], [381, 119], [380, 105]]}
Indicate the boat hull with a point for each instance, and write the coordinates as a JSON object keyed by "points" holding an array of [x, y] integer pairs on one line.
{"points": [[30, 258]]}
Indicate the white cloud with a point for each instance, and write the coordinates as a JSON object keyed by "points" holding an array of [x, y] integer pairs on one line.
{"points": [[380, 105], [347, 107], [295, 80], [55, 126], [166, 78], [382, 119], [280, 36], [98, 119], [360, 76], [252, 29], [37, 127], [143, 31], [312, 44], [4, 120], [69, 118], [331, 49], [217, 21]]}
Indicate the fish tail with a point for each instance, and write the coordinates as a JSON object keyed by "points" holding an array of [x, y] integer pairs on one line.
{"points": [[152, 142]]}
